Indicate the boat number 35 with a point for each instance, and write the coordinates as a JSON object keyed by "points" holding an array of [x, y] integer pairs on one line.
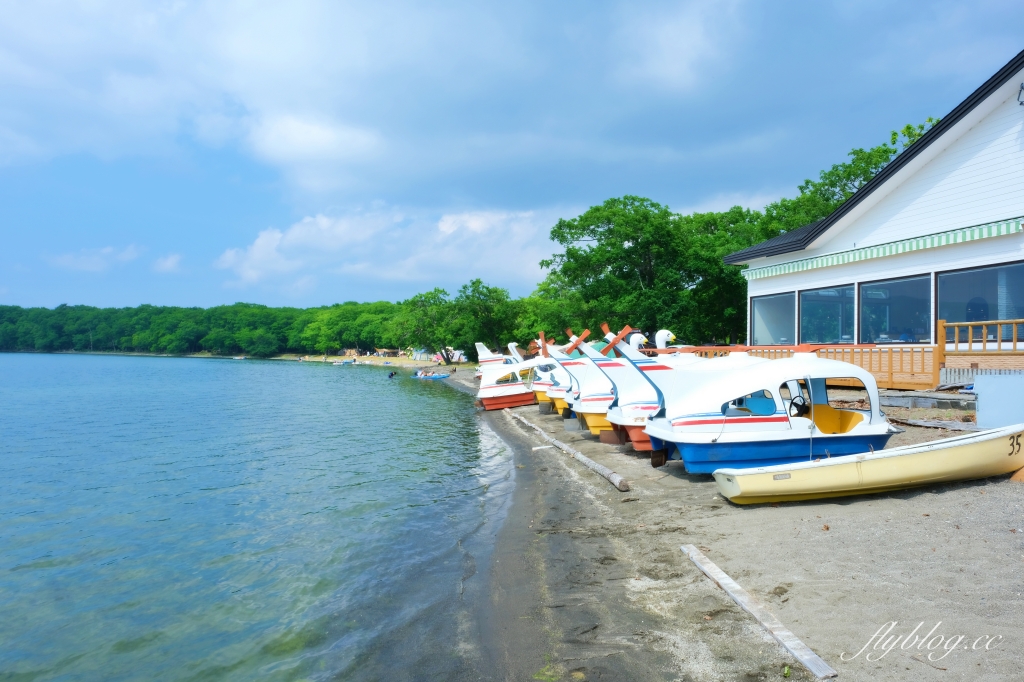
{"points": [[1014, 445]]}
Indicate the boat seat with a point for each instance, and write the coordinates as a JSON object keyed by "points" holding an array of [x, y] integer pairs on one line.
{"points": [[830, 420], [762, 406]]}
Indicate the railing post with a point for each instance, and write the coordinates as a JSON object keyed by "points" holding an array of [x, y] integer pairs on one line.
{"points": [[890, 368], [939, 355]]}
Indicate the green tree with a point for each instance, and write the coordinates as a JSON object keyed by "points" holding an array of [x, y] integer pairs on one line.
{"points": [[625, 259], [429, 320], [484, 313]]}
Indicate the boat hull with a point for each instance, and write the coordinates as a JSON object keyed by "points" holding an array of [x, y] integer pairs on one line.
{"points": [[560, 404], [500, 402], [641, 441], [705, 458], [595, 422], [953, 459], [542, 397]]}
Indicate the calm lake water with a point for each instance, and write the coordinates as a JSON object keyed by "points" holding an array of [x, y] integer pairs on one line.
{"points": [[185, 519]]}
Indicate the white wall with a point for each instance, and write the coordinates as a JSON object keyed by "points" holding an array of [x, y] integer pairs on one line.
{"points": [[974, 179], [953, 257]]}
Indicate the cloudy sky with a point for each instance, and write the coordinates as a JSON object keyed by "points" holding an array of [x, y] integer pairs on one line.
{"points": [[305, 153]]}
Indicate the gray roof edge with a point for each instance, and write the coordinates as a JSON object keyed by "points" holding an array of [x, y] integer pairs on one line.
{"points": [[767, 248]]}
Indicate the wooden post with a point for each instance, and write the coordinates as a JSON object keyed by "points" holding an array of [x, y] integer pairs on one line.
{"points": [[890, 368], [543, 345], [621, 484], [801, 652], [939, 354]]}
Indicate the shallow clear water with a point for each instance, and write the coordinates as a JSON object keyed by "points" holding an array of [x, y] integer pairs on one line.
{"points": [[170, 518]]}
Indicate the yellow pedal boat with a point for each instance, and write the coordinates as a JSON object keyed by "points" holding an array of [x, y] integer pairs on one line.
{"points": [[976, 455]]}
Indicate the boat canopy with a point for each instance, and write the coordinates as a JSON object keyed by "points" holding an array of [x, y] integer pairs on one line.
{"points": [[705, 391]]}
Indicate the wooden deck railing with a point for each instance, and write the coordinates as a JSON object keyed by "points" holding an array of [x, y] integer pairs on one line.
{"points": [[907, 367], [991, 337], [903, 366]]}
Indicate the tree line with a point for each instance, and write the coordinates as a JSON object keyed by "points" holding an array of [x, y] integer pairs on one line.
{"points": [[629, 261]]}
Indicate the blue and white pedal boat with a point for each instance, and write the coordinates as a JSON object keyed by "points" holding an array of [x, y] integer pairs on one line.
{"points": [[783, 411]]}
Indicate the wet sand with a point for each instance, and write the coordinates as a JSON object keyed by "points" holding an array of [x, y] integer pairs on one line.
{"points": [[589, 583]]}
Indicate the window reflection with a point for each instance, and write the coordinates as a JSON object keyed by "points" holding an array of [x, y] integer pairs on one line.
{"points": [[826, 315], [896, 311], [994, 293]]}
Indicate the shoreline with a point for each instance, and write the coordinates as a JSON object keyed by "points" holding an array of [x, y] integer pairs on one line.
{"points": [[295, 357], [590, 583]]}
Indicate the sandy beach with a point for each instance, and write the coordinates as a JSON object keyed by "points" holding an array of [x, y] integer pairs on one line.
{"points": [[590, 583]]}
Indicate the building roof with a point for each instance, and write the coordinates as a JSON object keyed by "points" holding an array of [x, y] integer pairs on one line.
{"points": [[800, 238]]}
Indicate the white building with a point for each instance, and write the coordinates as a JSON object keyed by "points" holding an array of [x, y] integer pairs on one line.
{"points": [[937, 234]]}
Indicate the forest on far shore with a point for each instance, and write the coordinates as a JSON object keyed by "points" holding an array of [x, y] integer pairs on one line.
{"points": [[628, 261]]}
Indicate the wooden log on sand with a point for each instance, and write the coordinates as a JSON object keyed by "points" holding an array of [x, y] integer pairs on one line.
{"points": [[618, 481], [768, 621]]}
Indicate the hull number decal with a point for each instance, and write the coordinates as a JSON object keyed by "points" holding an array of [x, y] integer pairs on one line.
{"points": [[1014, 445]]}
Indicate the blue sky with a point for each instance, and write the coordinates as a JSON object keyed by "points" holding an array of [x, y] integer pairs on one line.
{"points": [[305, 153]]}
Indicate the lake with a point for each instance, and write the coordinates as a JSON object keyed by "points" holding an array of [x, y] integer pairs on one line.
{"points": [[188, 519]]}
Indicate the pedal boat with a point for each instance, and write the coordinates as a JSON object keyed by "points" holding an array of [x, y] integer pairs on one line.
{"points": [[960, 458], [637, 398], [504, 386], [545, 377], [771, 413], [590, 393], [635, 406], [487, 358]]}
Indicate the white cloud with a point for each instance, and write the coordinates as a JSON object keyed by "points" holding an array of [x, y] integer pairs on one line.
{"points": [[169, 263], [94, 260], [388, 245], [260, 259], [673, 48], [478, 221], [338, 96], [291, 139]]}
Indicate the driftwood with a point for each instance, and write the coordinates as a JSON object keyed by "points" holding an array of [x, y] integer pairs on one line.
{"points": [[618, 481], [769, 622]]}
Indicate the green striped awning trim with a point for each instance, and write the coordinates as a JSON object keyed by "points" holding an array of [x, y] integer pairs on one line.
{"points": [[928, 241]]}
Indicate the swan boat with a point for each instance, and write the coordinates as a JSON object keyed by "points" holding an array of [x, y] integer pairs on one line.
{"points": [[487, 358], [639, 384], [976, 455], [561, 390], [546, 375], [769, 413], [591, 392], [637, 396], [504, 386]]}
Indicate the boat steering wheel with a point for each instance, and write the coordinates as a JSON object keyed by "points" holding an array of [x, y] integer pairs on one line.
{"points": [[798, 406]]}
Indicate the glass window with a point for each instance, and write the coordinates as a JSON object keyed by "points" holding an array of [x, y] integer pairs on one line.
{"points": [[995, 293], [826, 315], [773, 320], [897, 311]]}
